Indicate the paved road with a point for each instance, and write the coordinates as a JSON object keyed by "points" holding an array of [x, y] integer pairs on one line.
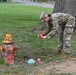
{"points": [[39, 4], [34, 4]]}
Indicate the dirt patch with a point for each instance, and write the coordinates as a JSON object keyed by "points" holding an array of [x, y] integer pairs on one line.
{"points": [[63, 66]]}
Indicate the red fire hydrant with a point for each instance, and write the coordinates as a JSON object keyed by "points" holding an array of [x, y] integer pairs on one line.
{"points": [[8, 49]]}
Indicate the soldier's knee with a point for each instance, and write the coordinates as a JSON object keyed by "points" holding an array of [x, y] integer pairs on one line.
{"points": [[69, 30]]}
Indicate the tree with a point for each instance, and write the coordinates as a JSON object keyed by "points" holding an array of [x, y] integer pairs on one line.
{"points": [[0, 0], [66, 6], [3, 0]]}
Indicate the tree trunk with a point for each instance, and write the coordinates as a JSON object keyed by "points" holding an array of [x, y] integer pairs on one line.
{"points": [[59, 6], [0, 0], [66, 6], [70, 7]]}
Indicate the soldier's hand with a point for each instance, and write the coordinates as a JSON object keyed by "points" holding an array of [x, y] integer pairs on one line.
{"points": [[39, 36], [42, 37]]}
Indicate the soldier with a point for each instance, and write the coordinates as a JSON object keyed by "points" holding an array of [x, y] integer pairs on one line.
{"points": [[60, 23]]}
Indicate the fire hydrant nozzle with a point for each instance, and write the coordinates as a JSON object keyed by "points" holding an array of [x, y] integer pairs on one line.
{"points": [[0, 47]]}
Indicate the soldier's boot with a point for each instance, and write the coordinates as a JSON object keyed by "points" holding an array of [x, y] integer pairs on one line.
{"points": [[65, 56], [58, 52]]}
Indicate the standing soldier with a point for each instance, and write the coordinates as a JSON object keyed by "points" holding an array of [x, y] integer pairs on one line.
{"points": [[60, 23]]}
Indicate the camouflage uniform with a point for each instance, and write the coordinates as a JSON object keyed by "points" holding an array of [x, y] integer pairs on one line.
{"points": [[63, 24]]}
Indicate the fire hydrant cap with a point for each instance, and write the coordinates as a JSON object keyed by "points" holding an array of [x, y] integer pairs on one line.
{"points": [[8, 39]]}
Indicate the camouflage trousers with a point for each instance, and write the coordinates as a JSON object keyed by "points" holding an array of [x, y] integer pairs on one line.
{"points": [[65, 35]]}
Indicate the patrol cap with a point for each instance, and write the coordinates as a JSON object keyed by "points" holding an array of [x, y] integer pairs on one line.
{"points": [[43, 15]]}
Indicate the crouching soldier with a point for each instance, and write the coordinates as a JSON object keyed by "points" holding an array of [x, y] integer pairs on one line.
{"points": [[60, 23]]}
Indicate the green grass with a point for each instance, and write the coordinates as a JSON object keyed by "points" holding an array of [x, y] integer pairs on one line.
{"points": [[20, 21]]}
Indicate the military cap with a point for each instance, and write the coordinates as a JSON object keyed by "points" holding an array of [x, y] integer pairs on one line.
{"points": [[43, 15]]}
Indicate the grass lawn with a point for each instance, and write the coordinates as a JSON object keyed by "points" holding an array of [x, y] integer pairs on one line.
{"points": [[20, 21]]}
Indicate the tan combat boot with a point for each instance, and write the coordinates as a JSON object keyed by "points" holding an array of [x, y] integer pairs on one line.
{"points": [[65, 56], [58, 52]]}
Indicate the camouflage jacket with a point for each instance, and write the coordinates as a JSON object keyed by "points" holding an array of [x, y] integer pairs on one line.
{"points": [[58, 20]]}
